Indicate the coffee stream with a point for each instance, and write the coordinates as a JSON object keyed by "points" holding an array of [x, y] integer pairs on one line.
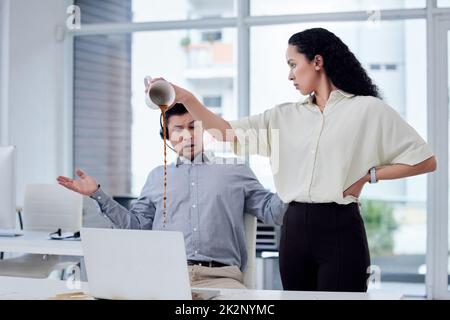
{"points": [[163, 111]]}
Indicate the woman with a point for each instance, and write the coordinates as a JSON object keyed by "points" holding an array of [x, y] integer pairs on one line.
{"points": [[323, 151]]}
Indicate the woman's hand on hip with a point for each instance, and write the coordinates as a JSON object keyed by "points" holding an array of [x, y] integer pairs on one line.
{"points": [[356, 188]]}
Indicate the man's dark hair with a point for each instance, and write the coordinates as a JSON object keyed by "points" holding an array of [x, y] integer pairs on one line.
{"points": [[177, 110]]}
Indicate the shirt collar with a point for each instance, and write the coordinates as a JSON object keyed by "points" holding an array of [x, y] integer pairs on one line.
{"points": [[335, 96], [203, 157]]}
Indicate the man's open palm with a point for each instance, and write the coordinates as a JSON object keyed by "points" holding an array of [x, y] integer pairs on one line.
{"points": [[85, 185]]}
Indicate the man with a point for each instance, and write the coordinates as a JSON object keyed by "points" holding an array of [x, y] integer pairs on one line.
{"points": [[206, 200]]}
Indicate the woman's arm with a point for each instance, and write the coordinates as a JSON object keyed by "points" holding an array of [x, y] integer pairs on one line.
{"points": [[396, 171], [215, 125], [393, 171]]}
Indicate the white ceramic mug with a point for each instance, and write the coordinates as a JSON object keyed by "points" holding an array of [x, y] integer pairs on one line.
{"points": [[159, 93]]}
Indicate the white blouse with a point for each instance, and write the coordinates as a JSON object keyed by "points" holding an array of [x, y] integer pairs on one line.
{"points": [[316, 156]]}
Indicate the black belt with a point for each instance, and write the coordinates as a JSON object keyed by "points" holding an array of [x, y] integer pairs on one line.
{"points": [[211, 264]]}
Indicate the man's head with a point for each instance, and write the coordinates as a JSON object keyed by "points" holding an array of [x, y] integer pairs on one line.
{"points": [[185, 134]]}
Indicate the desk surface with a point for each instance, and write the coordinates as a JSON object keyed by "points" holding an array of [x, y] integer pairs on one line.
{"points": [[37, 242], [235, 294], [25, 288]]}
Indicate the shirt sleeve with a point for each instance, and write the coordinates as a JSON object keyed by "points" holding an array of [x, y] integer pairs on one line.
{"points": [[140, 216], [260, 202], [252, 135], [400, 143]]}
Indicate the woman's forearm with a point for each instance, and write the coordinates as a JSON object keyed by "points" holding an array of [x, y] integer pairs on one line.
{"points": [[215, 125], [397, 171]]}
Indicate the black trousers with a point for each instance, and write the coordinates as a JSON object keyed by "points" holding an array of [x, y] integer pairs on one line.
{"points": [[324, 247]]}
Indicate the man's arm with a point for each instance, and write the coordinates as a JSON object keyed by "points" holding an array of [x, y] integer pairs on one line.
{"points": [[261, 203], [139, 217]]}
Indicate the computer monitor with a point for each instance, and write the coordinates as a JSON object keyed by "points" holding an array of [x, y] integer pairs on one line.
{"points": [[7, 187]]}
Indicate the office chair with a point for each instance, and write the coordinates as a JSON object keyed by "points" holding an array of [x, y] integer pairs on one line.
{"points": [[47, 207], [250, 223]]}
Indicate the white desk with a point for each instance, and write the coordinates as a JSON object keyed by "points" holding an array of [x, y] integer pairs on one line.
{"points": [[33, 289], [25, 288], [38, 243], [239, 294]]}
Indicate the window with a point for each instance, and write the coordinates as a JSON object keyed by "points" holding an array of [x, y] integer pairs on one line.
{"points": [[375, 66], [102, 109], [108, 11], [391, 67], [112, 11], [211, 36], [443, 3], [212, 101], [380, 66], [263, 7]]}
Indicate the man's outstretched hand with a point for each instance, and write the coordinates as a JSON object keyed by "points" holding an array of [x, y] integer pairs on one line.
{"points": [[86, 185]]}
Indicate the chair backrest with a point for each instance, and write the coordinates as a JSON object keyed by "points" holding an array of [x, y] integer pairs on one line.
{"points": [[48, 207], [250, 237]]}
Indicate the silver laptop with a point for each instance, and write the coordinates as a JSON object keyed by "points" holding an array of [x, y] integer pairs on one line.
{"points": [[138, 265]]}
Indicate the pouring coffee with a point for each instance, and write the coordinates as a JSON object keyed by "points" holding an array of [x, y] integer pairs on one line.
{"points": [[161, 95]]}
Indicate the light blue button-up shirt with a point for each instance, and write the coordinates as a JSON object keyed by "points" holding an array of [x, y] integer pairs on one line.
{"points": [[206, 200]]}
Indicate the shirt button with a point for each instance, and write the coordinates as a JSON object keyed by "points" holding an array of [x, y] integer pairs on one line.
{"points": [[193, 206], [195, 229], [193, 184], [196, 251], [99, 198]]}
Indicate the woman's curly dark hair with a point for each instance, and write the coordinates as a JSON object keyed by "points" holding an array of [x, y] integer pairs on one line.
{"points": [[340, 64]]}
